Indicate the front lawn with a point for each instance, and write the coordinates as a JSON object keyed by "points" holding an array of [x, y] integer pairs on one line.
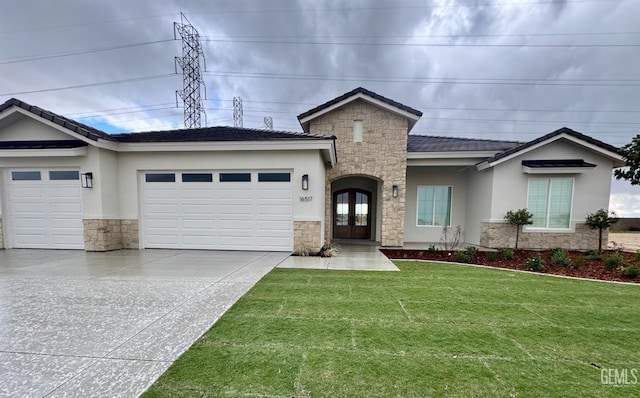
{"points": [[429, 330]]}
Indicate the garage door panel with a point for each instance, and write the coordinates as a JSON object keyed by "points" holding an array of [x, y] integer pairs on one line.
{"points": [[274, 194], [45, 213], [203, 209], [273, 243], [235, 194], [29, 194], [64, 193], [228, 215]]}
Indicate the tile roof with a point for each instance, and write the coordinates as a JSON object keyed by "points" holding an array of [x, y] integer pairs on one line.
{"points": [[564, 130], [360, 90], [76, 127], [546, 163], [218, 133], [427, 143]]}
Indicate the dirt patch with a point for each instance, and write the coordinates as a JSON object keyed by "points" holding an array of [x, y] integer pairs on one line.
{"points": [[581, 266]]}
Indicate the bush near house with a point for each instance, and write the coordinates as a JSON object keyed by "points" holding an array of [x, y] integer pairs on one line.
{"points": [[518, 218], [601, 220]]}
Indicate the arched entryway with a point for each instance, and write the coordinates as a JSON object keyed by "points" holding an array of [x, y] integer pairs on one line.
{"points": [[354, 208]]}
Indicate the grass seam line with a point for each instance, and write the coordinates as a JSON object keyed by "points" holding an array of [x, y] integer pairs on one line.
{"points": [[405, 311]]}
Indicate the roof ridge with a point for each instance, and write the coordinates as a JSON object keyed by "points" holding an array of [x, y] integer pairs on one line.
{"points": [[251, 129], [467, 139]]}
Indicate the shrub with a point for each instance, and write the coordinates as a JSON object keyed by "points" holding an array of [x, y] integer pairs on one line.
{"points": [[492, 256], [559, 256], [601, 220], [432, 249], [461, 257], [578, 262], [329, 250], [471, 251], [507, 252], [631, 271], [451, 239], [638, 256], [613, 261], [534, 263], [593, 255]]}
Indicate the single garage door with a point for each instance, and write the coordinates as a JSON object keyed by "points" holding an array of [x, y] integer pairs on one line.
{"points": [[218, 210], [45, 209]]}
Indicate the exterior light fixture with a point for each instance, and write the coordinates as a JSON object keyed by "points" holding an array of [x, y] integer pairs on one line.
{"points": [[87, 180], [305, 182], [394, 191]]}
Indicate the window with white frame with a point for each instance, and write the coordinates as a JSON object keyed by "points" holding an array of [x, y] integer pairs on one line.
{"points": [[549, 200], [434, 206]]}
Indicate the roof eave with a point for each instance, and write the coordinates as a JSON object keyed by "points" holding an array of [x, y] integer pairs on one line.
{"points": [[615, 157]]}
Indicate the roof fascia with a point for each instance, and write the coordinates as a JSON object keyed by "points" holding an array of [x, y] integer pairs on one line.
{"points": [[47, 153], [451, 154], [443, 162], [219, 146], [617, 159]]}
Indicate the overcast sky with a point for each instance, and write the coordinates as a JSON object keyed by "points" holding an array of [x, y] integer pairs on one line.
{"points": [[497, 69]]}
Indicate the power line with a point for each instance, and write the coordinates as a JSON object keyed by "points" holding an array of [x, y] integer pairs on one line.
{"points": [[472, 81], [79, 52], [135, 79], [378, 44]]}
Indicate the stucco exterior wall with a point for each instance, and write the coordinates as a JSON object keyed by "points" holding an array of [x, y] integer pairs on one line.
{"points": [[382, 155], [1, 236], [308, 206], [27, 129], [591, 188], [439, 176], [478, 202]]}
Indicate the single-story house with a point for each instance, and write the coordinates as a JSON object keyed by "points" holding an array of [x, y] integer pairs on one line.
{"points": [[355, 172]]}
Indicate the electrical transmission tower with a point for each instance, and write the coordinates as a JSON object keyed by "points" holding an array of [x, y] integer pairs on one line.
{"points": [[191, 77], [237, 112], [268, 123]]}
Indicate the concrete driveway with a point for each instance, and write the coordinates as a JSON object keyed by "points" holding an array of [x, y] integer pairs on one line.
{"points": [[76, 324]]}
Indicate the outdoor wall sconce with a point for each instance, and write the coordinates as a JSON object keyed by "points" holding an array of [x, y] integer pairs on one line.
{"points": [[87, 180], [305, 182], [394, 191]]}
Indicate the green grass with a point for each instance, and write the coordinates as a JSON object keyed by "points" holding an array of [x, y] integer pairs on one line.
{"points": [[430, 330]]}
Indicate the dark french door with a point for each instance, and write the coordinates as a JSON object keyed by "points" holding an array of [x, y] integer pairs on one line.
{"points": [[352, 214]]}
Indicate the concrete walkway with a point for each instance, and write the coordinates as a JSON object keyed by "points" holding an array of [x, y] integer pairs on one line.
{"points": [[350, 257], [629, 241], [77, 324]]}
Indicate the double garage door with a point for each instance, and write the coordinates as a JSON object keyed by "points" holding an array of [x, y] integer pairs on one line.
{"points": [[218, 210], [44, 209]]}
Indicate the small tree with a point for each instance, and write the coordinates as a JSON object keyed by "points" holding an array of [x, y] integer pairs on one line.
{"points": [[631, 155], [519, 218], [601, 220]]}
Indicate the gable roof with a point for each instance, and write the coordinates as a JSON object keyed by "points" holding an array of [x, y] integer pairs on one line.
{"points": [[428, 143], [217, 133], [76, 127], [565, 132], [359, 93]]}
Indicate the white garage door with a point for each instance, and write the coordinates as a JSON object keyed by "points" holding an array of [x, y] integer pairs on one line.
{"points": [[45, 209], [218, 210]]}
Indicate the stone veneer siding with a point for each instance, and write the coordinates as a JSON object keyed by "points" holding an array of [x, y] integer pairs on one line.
{"points": [[102, 235], [1, 236], [503, 235], [130, 234], [306, 236], [381, 156]]}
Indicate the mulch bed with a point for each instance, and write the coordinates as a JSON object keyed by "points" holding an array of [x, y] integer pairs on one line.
{"points": [[590, 268]]}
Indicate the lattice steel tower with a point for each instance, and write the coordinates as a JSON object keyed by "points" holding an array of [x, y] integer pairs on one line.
{"points": [[192, 55], [237, 112]]}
